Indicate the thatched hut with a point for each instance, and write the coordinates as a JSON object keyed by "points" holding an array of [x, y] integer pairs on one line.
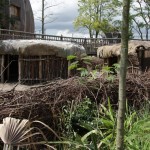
{"points": [[138, 54], [35, 61]]}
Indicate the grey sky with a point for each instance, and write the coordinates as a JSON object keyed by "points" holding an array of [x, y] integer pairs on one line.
{"points": [[64, 13]]}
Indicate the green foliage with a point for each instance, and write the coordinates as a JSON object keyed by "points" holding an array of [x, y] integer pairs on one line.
{"points": [[71, 57], [73, 65], [110, 72], [83, 72], [97, 16], [100, 124], [83, 65]]}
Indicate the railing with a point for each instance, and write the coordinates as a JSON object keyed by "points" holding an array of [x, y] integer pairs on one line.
{"points": [[90, 44]]}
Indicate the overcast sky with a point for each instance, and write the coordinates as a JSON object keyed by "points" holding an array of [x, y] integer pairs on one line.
{"points": [[64, 14]]}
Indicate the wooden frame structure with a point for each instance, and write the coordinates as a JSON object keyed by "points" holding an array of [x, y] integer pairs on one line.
{"points": [[33, 61]]}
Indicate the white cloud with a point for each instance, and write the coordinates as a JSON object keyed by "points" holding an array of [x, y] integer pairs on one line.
{"points": [[65, 12], [71, 34]]}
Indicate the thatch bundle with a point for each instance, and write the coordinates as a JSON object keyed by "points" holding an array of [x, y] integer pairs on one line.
{"points": [[115, 49], [40, 48]]}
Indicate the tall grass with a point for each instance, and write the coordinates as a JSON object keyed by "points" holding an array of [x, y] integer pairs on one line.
{"points": [[100, 126]]}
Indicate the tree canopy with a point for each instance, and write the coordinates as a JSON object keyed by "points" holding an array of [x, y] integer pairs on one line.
{"points": [[104, 16], [97, 16]]}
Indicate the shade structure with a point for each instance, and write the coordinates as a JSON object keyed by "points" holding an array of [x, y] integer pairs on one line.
{"points": [[34, 61], [115, 49]]}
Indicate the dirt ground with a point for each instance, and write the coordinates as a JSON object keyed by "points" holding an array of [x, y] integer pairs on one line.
{"points": [[14, 86]]}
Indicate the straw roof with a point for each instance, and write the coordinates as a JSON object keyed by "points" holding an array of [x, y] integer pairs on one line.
{"points": [[114, 50], [40, 47]]}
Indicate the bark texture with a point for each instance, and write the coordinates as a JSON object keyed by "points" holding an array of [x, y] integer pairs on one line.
{"points": [[122, 76]]}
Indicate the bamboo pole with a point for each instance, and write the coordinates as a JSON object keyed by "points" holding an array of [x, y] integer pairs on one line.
{"points": [[8, 63]]}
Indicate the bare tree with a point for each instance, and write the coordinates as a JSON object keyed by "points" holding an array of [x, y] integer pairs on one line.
{"points": [[45, 13], [122, 75], [141, 18], [46, 17]]}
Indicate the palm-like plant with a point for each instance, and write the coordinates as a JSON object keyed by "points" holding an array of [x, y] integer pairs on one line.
{"points": [[14, 131]]}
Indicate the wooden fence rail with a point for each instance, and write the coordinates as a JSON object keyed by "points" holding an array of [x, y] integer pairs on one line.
{"points": [[90, 44]]}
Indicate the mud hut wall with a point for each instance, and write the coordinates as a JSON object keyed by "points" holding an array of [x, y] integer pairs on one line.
{"points": [[36, 69]]}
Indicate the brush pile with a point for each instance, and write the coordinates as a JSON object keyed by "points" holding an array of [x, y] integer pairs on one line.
{"points": [[46, 102]]}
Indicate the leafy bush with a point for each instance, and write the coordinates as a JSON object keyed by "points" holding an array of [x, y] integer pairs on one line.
{"points": [[98, 123]]}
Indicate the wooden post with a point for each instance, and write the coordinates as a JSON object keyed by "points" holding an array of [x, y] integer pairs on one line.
{"points": [[19, 69], [2, 68], [69, 71], [8, 65], [40, 68]]}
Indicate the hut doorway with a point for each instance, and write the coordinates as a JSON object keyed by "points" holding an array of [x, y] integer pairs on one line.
{"points": [[11, 68], [112, 61]]}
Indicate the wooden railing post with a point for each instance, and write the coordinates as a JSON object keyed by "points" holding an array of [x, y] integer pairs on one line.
{"points": [[61, 38], [40, 68]]}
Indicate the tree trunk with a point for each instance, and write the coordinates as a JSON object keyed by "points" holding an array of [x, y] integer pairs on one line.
{"points": [[147, 33], [96, 34], [43, 16], [122, 75]]}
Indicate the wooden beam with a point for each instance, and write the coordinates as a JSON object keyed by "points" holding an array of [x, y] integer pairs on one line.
{"points": [[19, 69], [8, 65], [2, 68], [40, 68]]}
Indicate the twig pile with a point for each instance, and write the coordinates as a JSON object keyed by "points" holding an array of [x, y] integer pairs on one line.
{"points": [[46, 102]]}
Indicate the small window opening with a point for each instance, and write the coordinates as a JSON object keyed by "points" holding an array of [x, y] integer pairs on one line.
{"points": [[15, 12]]}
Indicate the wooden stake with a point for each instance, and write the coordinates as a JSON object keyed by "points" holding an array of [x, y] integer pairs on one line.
{"points": [[2, 68], [40, 68], [19, 69]]}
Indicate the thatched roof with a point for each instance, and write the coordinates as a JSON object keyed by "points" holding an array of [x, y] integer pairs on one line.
{"points": [[40, 47], [114, 50]]}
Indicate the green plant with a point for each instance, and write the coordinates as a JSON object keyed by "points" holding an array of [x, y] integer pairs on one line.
{"points": [[18, 133], [138, 132], [100, 126], [110, 72], [80, 64]]}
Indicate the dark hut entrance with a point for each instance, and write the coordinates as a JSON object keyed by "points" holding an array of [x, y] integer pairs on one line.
{"points": [[112, 61], [11, 68]]}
